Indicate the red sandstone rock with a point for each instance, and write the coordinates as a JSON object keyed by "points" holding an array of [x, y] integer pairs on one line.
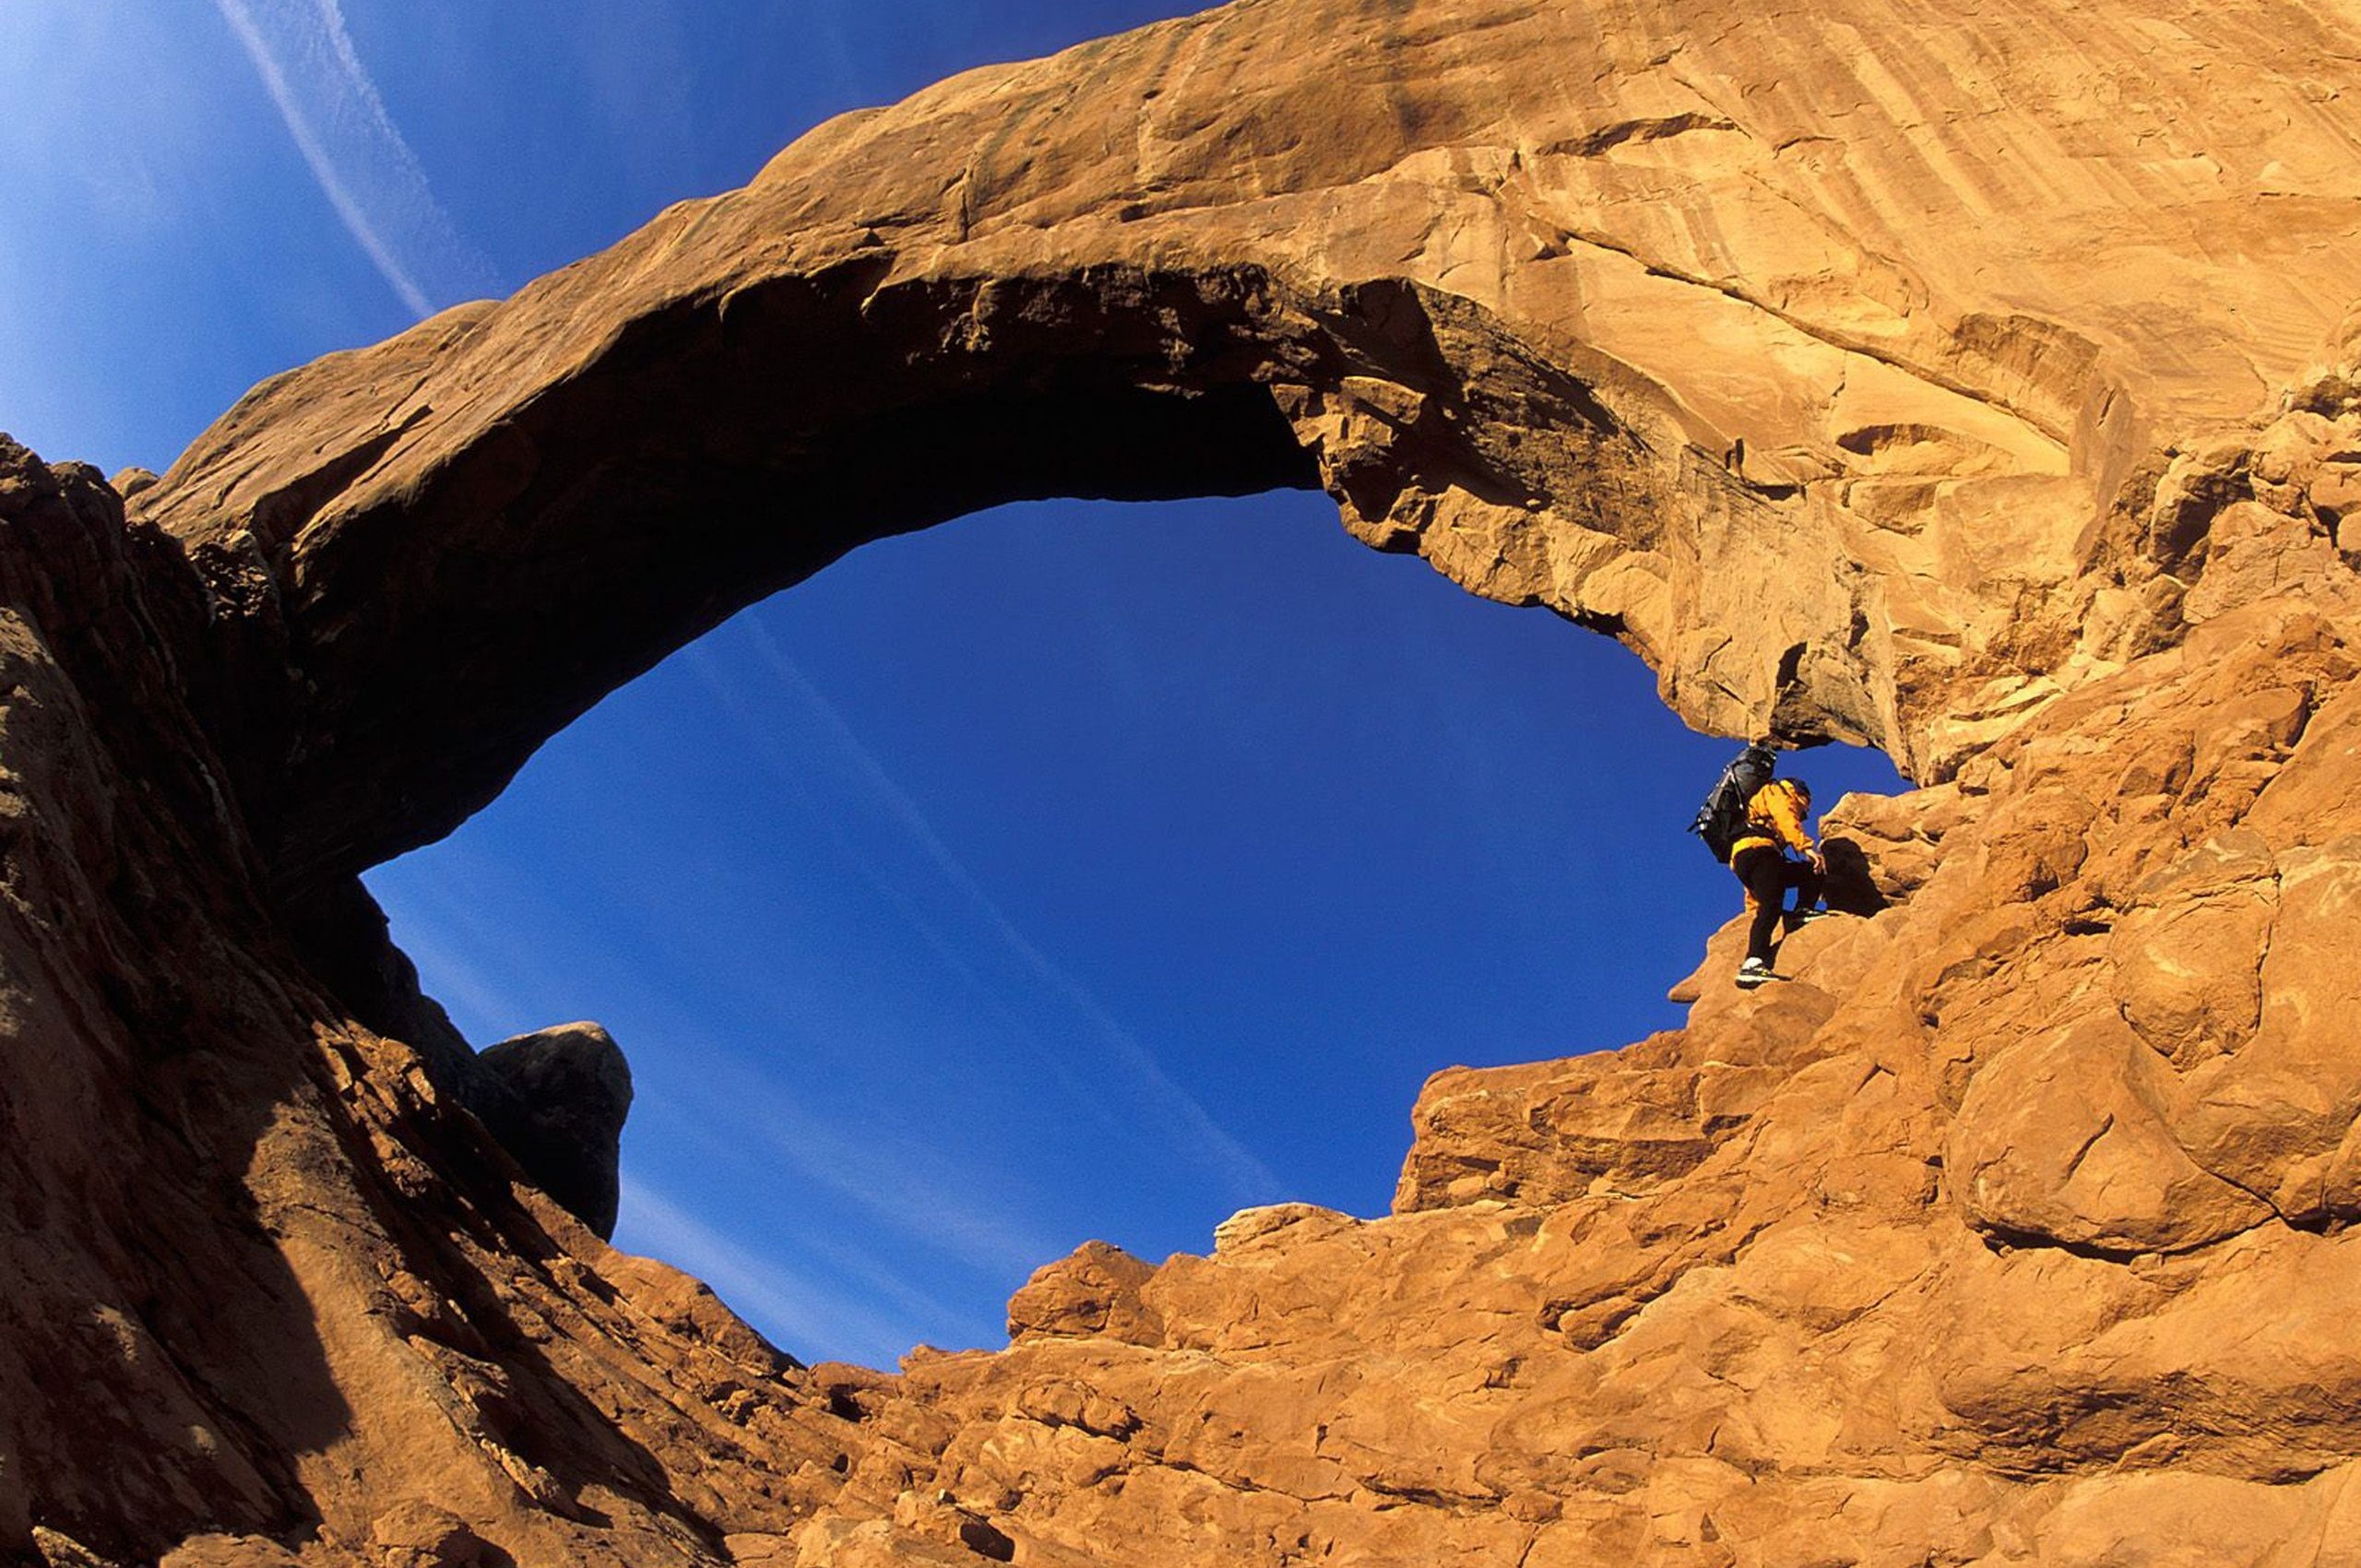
{"points": [[1872, 371], [1095, 1290]]}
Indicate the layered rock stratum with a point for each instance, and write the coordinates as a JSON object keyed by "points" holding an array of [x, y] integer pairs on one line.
{"points": [[1976, 381]]}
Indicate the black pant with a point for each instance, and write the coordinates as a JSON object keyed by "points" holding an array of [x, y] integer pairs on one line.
{"points": [[1768, 875]]}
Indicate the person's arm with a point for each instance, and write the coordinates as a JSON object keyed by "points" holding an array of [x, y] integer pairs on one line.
{"points": [[1787, 815]]}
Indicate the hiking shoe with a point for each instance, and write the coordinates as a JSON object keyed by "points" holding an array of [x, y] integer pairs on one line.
{"points": [[1805, 917], [1752, 973]]}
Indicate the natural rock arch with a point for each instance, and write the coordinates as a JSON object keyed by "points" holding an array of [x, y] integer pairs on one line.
{"points": [[446, 610], [1908, 343], [1664, 345]]}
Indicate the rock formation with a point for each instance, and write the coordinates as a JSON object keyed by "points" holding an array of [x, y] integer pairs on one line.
{"points": [[1976, 382], [568, 1092]]}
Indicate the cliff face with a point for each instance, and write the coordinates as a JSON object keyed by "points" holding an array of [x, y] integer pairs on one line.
{"points": [[1970, 382]]}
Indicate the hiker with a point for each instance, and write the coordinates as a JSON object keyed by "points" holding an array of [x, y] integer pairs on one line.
{"points": [[1761, 857]]}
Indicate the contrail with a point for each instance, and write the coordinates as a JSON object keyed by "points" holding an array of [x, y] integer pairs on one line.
{"points": [[305, 57], [757, 738], [1249, 1180]]}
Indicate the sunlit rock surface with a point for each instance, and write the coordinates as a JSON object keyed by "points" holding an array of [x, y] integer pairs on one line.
{"points": [[1969, 380]]}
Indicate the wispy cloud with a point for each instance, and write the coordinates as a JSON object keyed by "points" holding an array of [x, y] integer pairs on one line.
{"points": [[797, 1312], [472, 962], [898, 1180], [306, 59], [1176, 1113], [494, 986], [480, 1004]]}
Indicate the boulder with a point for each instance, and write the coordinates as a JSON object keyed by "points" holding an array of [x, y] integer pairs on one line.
{"points": [[561, 1097]]}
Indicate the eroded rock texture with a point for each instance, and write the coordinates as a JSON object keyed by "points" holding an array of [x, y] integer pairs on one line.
{"points": [[1969, 380]]}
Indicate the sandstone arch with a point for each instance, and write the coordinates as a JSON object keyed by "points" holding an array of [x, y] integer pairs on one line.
{"points": [[447, 609], [1989, 358], [1706, 306]]}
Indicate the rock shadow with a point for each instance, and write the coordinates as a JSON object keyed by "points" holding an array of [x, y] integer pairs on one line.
{"points": [[1851, 887]]}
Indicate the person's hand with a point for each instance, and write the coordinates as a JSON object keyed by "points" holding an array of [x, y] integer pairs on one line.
{"points": [[1818, 862]]}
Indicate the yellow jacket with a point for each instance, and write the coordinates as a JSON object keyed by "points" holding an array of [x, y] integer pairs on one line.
{"points": [[1774, 818]]}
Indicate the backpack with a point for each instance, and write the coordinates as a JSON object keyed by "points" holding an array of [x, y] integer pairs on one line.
{"points": [[1721, 821]]}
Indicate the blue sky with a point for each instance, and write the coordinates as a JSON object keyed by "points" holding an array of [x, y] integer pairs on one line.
{"points": [[1068, 871]]}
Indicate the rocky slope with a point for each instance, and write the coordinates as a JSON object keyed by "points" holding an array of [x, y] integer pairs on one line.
{"points": [[1972, 381]]}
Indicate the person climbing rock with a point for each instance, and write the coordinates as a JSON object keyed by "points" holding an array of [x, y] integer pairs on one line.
{"points": [[1774, 853]]}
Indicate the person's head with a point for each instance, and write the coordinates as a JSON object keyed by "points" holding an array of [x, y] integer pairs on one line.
{"points": [[1803, 792]]}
